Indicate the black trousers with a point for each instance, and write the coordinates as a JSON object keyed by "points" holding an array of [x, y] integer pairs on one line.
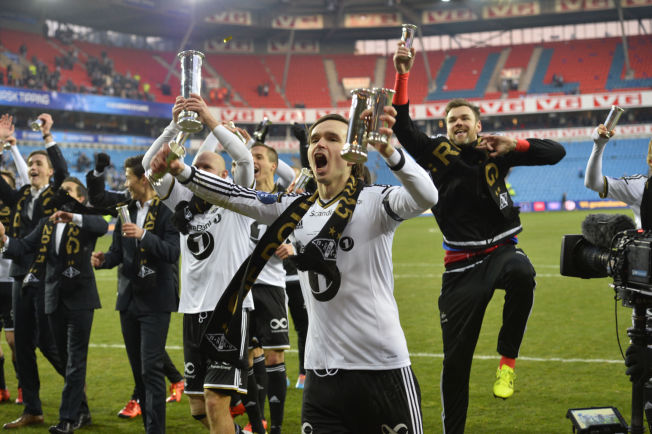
{"points": [[465, 294], [145, 335], [299, 317], [72, 332], [31, 330]]}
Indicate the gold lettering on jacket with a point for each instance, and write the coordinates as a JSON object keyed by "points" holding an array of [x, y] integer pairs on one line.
{"points": [[442, 151], [491, 173]]}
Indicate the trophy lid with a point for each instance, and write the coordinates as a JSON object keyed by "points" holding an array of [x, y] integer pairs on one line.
{"points": [[362, 91], [383, 90], [187, 53], [409, 26]]}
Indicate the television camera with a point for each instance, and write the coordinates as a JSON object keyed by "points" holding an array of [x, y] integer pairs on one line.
{"points": [[610, 245]]}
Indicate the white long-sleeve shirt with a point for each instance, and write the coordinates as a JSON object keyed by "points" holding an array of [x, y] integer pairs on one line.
{"points": [[218, 236], [628, 189], [359, 327]]}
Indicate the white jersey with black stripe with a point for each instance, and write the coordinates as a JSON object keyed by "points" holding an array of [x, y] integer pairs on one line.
{"points": [[358, 328], [628, 189], [215, 247]]}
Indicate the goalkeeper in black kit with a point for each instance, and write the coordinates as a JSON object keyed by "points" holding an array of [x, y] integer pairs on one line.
{"points": [[479, 224]]}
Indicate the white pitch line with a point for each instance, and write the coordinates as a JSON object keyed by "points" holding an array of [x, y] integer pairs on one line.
{"points": [[436, 275], [431, 355]]}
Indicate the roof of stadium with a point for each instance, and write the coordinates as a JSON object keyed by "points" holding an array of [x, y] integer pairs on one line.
{"points": [[172, 18]]}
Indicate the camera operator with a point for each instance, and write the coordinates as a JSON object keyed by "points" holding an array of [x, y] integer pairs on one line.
{"points": [[631, 189]]}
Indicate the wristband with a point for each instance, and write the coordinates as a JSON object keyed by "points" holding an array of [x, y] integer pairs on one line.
{"points": [[401, 88], [522, 145]]}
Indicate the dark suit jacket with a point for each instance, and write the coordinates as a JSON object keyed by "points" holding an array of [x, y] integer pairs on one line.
{"points": [[99, 197], [75, 293], [20, 264], [162, 249]]}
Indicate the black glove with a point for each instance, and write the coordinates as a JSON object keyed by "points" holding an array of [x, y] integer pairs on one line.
{"points": [[102, 161], [638, 360]]}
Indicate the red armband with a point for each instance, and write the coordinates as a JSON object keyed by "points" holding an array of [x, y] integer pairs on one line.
{"points": [[522, 145], [401, 88]]}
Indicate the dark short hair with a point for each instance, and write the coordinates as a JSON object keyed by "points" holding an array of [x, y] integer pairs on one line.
{"points": [[40, 152], [81, 188], [136, 165], [9, 174], [460, 102], [328, 117], [272, 155]]}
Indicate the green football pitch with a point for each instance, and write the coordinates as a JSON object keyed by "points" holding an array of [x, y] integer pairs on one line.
{"points": [[570, 356]]}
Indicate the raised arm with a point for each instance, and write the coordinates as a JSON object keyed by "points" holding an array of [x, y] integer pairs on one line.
{"points": [[59, 164], [241, 156], [244, 173], [261, 206], [168, 133], [21, 165], [593, 177], [417, 193], [98, 196]]}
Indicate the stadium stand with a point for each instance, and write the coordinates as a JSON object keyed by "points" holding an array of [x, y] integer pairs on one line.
{"points": [[622, 157], [587, 66]]}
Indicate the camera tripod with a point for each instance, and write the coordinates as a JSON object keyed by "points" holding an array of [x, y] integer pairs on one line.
{"points": [[640, 334]]}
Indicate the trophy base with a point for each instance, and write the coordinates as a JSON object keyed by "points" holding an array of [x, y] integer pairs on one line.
{"points": [[354, 154], [189, 123], [377, 139]]}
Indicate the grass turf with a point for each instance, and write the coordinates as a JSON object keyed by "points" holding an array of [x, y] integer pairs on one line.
{"points": [[569, 358]]}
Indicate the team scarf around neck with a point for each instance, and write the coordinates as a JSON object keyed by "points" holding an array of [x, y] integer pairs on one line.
{"points": [[70, 252], [144, 272], [48, 204], [221, 333], [5, 216]]}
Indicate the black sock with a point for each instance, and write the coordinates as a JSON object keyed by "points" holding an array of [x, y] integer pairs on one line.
{"points": [[251, 403], [261, 381], [276, 390], [3, 386]]}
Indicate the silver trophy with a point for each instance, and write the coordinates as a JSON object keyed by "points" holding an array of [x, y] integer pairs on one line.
{"points": [[379, 99], [5, 147], [36, 124], [176, 151], [355, 148], [407, 35], [302, 180], [612, 118], [191, 61], [123, 213], [261, 130], [237, 132]]}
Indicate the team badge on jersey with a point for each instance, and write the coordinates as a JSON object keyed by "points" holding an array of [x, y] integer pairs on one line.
{"points": [[219, 341], [30, 278], [267, 198], [327, 247], [71, 272], [145, 271], [201, 245], [346, 243]]}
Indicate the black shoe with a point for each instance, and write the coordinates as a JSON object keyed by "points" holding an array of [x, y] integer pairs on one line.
{"points": [[83, 420], [63, 427]]}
